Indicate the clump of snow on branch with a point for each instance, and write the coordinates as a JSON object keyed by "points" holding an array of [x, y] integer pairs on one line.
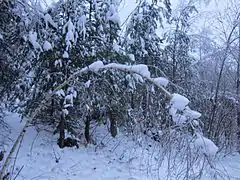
{"points": [[131, 81], [81, 26], [112, 15], [178, 102], [96, 66], [87, 84], [179, 119], [65, 54], [68, 100], [141, 69], [47, 46], [69, 30], [138, 78], [60, 93], [33, 40], [179, 109], [58, 63], [191, 113], [161, 81], [116, 47], [206, 145], [131, 56], [48, 20]]}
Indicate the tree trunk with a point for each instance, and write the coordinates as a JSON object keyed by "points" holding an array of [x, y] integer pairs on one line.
{"points": [[174, 60], [145, 102], [113, 123], [238, 91], [87, 130], [61, 132]]}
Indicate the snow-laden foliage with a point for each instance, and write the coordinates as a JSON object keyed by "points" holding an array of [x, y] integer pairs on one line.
{"points": [[74, 64], [206, 145], [162, 81]]}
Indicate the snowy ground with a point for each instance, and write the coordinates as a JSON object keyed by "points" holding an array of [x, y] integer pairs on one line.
{"points": [[118, 158]]}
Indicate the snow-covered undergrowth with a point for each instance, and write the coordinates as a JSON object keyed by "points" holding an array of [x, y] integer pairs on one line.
{"points": [[124, 157]]}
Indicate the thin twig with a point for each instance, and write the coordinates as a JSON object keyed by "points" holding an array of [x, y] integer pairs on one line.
{"points": [[18, 173]]}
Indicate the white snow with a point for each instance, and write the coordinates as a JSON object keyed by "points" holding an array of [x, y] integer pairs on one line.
{"points": [[206, 145], [69, 36], [131, 82], [179, 119], [178, 101], [17, 101], [96, 66], [65, 111], [138, 78], [69, 29], [72, 91], [60, 92], [118, 158], [132, 57], [68, 101], [141, 69], [87, 84], [81, 26], [116, 47], [58, 62], [116, 66], [47, 46], [195, 123], [112, 15], [162, 81], [191, 113], [48, 20], [65, 54], [33, 40]]}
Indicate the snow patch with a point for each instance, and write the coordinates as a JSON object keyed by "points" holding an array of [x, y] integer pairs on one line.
{"points": [[60, 93], [48, 20], [96, 66], [206, 145], [141, 69], [191, 113], [132, 57], [112, 15], [47, 46], [179, 102], [65, 111], [87, 84], [33, 40], [65, 54], [162, 81], [116, 47], [81, 26], [179, 119], [58, 62], [138, 78]]}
